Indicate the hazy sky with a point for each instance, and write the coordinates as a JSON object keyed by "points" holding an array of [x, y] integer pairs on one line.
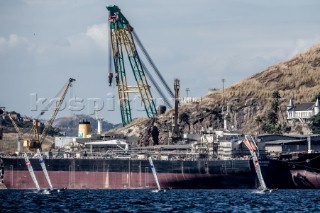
{"points": [[43, 43]]}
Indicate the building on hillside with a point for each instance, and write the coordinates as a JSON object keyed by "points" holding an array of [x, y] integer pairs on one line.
{"points": [[303, 111], [190, 100], [63, 142]]}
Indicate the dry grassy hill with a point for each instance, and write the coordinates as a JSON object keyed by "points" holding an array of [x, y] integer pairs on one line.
{"points": [[297, 78]]}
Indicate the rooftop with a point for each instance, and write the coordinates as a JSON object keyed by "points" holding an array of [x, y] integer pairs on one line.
{"points": [[304, 107]]}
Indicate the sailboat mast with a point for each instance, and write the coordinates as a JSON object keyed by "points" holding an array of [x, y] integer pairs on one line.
{"points": [[44, 169], [31, 171], [154, 173]]}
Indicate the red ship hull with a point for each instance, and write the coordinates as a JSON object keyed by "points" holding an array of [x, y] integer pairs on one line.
{"points": [[296, 172], [119, 180], [130, 174]]}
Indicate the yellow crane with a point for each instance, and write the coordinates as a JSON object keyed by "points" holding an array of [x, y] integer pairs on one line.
{"points": [[15, 127], [27, 141], [20, 134], [36, 142]]}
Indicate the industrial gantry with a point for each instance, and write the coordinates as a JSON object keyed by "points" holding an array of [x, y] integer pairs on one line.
{"points": [[122, 40]]}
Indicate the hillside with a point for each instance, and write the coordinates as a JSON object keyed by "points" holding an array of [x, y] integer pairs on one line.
{"points": [[70, 124], [297, 78]]}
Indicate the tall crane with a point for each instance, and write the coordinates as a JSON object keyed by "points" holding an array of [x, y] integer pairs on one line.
{"points": [[37, 141], [122, 37], [15, 127]]}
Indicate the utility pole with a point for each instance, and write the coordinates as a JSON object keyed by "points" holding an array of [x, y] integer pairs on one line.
{"points": [[175, 127], [223, 80], [187, 91]]}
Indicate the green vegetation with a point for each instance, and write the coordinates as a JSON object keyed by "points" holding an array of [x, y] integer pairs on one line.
{"points": [[272, 125], [315, 124], [184, 117]]}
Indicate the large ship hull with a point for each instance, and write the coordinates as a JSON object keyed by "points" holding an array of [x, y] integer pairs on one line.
{"points": [[302, 172], [131, 174]]}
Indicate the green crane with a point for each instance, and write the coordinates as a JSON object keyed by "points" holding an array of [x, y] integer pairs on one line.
{"points": [[121, 38]]}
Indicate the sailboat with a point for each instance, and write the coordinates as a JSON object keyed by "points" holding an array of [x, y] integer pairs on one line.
{"points": [[44, 169], [254, 151], [34, 179], [155, 175]]}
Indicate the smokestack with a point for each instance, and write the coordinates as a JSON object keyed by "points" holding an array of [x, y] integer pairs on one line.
{"points": [[226, 117], [99, 131], [84, 129]]}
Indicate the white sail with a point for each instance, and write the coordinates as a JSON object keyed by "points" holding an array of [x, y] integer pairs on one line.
{"points": [[250, 143], [44, 169], [154, 173], [31, 171]]}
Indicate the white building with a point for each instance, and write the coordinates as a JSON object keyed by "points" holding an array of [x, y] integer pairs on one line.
{"points": [[190, 100], [62, 142], [303, 112]]}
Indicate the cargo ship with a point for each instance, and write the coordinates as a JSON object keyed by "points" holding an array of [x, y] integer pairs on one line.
{"points": [[130, 174], [111, 164], [299, 172], [217, 160]]}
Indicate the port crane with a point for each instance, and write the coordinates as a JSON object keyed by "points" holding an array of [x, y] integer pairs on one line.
{"points": [[37, 141], [35, 127], [123, 37], [15, 127]]}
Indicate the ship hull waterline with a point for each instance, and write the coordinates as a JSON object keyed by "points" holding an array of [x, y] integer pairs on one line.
{"points": [[136, 174], [281, 174], [132, 174]]}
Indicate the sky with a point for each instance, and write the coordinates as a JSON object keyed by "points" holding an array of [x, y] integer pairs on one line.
{"points": [[45, 42]]}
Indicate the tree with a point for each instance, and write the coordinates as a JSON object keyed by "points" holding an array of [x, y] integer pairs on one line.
{"points": [[315, 124], [259, 120], [275, 102], [273, 118], [271, 125], [184, 117]]}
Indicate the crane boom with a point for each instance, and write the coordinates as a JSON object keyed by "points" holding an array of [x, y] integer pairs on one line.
{"points": [[122, 38], [155, 84], [153, 65], [15, 126], [55, 111]]}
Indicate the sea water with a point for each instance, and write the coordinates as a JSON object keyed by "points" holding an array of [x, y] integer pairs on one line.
{"points": [[168, 201]]}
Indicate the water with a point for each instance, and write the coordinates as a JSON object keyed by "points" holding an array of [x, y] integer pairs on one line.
{"points": [[169, 201]]}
